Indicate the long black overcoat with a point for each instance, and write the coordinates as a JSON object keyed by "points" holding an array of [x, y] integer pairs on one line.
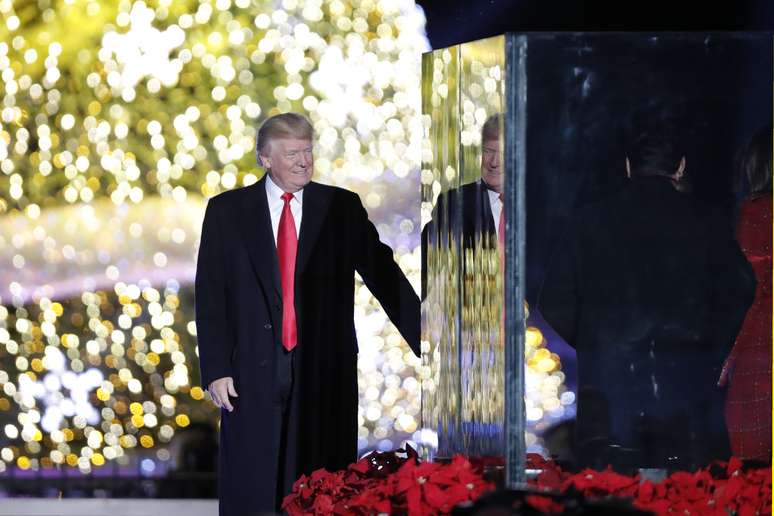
{"points": [[239, 321]]}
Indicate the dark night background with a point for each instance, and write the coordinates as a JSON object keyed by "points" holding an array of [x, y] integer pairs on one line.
{"points": [[454, 21]]}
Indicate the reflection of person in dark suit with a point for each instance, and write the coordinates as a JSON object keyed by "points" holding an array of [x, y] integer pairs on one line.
{"points": [[651, 294], [480, 216], [275, 286]]}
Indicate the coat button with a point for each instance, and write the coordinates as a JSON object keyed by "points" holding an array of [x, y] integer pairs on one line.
{"points": [[262, 363], [267, 326]]}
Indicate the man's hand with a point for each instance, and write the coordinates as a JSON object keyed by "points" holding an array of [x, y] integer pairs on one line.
{"points": [[220, 390]]}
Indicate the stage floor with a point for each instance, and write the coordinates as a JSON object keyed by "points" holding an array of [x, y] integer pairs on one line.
{"points": [[105, 507]]}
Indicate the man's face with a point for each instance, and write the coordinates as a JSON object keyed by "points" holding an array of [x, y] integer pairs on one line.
{"points": [[289, 162], [492, 165]]}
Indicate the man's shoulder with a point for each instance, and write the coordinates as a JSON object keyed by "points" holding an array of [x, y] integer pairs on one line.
{"points": [[234, 196], [230, 200], [336, 192], [467, 190]]}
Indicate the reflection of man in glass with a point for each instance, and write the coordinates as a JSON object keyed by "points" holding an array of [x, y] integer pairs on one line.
{"points": [[651, 295], [492, 174], [478, 204]]}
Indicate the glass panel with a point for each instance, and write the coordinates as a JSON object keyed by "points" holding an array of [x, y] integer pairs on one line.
{"points": [[482, 73], [643, 276], [462, 307], [593, 279], [440, 278]]}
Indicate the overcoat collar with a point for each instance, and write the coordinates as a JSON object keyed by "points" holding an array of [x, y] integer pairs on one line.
{"points": [[258, 235]]}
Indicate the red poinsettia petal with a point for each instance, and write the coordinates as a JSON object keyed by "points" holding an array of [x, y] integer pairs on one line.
{"points": [[550, 479], [425, 469], [434, 496], [383, 506], [302, 480], [459, 493], [645, 494], [734, 464], [361, 466], [544, 504], [536, 461], [414, 501], [323, 504]]}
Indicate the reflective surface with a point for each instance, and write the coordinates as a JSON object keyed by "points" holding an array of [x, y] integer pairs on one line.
{"points": [[441, 279], [481, 302], [650, 292], [464, 173], [643, 276]]}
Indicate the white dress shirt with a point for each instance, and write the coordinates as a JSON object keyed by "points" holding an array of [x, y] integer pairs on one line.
{"points": [[497, 206], [276, 204]]}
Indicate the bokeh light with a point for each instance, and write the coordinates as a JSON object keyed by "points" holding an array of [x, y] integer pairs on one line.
{"points": [[118, 121]]}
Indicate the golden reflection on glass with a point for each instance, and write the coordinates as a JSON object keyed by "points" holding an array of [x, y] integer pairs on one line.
{"points": [[462, 394], [463, 362], [440, 174], [481, 303]]}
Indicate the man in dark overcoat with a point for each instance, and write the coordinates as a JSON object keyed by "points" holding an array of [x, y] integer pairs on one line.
{"points": [[275, 287], [651, 290]]}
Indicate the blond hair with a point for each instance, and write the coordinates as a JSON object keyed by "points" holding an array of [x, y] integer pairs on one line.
{"points": [[491, 128], [285, 125]]}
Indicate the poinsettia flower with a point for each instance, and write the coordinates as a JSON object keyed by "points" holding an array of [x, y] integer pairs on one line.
{"points": [[323, 504], [411, 474], [398, 483]]}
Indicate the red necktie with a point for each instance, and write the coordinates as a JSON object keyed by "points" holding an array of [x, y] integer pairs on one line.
{"points": [[287, 245]]}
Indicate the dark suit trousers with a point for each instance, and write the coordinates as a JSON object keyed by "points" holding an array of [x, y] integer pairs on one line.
{"points": [[286, 418]]}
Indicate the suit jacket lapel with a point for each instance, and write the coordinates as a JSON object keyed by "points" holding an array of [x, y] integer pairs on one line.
{"points": [[477, 213], [316, 202], [259, 237], [486, 207]]}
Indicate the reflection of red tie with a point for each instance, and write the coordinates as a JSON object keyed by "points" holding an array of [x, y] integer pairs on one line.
{"points": [[287, 244], [501, 255], [501, 225]]}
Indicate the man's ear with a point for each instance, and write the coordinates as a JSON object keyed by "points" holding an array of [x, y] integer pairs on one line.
{"points": [[628, 168], [264, 161]]}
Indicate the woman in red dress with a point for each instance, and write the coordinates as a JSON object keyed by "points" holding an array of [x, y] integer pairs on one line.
{"points": [[748, 367]]}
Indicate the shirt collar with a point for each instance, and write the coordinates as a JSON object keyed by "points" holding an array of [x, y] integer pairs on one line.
{"points": [[493, 195], [275, 192]]}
